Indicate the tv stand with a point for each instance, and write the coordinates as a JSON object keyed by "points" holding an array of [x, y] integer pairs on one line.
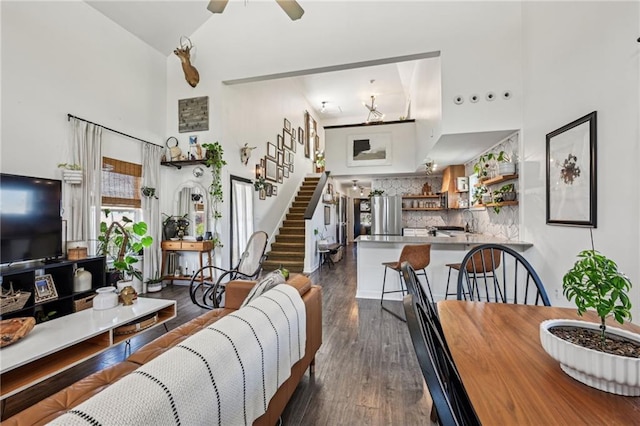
{"points": [[51, 261]]}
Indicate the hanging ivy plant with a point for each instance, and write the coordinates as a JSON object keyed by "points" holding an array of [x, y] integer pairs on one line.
{"points": [[214, 161]]}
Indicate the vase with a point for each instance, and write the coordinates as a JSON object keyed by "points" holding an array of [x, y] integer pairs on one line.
{"points": [[106, 299], [170, 228], [81, 280]]}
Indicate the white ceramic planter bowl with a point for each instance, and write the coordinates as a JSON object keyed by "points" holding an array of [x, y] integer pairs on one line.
{"points": [[611, 373], [506, 169]]}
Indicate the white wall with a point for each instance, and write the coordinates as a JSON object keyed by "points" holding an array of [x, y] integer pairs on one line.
{"points": [[578, 58], [65, 57], [402, 152]]}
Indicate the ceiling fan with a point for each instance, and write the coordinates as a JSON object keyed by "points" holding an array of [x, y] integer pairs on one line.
{"points": [[290, 7], [374, 114]]}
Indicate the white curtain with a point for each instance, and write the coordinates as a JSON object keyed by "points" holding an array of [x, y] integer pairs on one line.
{"points": [[86, 199], [151, 155], [242, 217]]}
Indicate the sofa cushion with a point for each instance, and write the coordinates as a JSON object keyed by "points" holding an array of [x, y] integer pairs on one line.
{"points": [[268, 282]]}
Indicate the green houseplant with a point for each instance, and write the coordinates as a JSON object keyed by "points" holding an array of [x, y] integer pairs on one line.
{"points": [[215, 161], [121, 242], [606, 358]]}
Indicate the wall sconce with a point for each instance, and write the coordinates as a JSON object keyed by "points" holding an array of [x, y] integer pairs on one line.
{"points": [[258, 171]]}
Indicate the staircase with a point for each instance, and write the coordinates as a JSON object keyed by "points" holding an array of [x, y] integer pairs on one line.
{"points": [[288, 247]]}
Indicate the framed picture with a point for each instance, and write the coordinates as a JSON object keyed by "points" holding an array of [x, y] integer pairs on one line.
{"points": [[300, 136], [289, 157], [309, 133], [327, 215], [290, 167], [287, 125], [262, 194], [285, 172], [271, 150], [369, 150], [280, 157], [268, 189], [45, 289], [271, 170], [316, 143], [274, 190], [288, 141], [280, 142], [571, 173], [280, 174]]}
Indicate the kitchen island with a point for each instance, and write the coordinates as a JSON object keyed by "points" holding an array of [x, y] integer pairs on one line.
{"points": [[446, 247]]}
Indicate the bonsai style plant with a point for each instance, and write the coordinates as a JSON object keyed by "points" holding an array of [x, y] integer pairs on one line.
{"points": [[599, 356], [120, 242]]}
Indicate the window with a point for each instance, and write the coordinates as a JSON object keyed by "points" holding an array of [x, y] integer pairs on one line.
{"points": [[121, 182]]}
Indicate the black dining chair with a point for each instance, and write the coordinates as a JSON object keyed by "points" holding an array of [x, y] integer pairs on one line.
{"points": [[497, 273], [416, 289], [451, 404], [208, 293]]}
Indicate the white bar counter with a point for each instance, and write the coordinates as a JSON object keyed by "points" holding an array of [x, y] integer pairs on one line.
{"points": [[447, 247]]}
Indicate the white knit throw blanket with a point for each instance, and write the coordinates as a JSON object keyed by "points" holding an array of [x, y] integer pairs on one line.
{"points": [[225, 374]]}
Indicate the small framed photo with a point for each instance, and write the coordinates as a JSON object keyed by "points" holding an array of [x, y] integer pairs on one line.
{"points": [[268, 189], [45, 289], [291, 167], [193, 140], [280, 158], [287, 125], [274, 190], [288, 141], [271, 150], [300, 135], [280, 142], [271, 171], [262, 194], [280, 174], [285, 172]]}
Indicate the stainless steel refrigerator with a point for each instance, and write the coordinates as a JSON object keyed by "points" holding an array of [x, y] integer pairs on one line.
{"points": [[341, 220], [386, 215]]}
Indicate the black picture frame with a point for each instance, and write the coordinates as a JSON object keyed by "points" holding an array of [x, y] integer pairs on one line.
{"points": [[571, 187], [327, 215]]}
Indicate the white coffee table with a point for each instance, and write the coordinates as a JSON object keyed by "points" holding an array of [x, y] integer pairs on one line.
{"points": [[59, 344]]}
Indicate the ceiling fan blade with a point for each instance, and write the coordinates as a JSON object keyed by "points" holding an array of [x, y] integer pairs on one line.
{"points": [[217, 6], [291, 8]]}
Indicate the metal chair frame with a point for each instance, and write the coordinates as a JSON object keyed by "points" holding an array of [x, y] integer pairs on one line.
{"points": [[489, 283], [211, 296]]}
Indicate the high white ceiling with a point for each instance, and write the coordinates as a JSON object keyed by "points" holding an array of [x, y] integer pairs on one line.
{"points": [[161, 23]]}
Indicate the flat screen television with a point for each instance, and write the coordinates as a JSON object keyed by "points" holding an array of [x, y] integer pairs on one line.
{"points": [[30, 220]]}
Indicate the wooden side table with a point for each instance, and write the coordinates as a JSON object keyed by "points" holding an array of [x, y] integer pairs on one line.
{"points": [[201, 247]]}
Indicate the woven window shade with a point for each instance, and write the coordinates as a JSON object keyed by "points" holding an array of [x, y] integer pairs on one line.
{"points": [[121, 182]]}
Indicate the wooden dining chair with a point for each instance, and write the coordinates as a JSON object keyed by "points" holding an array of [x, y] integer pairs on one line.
{"points": [[497, 273], [451, 405]]}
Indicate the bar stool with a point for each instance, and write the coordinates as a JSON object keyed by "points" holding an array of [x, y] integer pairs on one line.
{"points": [[481, 265], [418, 257]]}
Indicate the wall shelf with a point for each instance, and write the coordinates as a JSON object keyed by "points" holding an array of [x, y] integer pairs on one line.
{"points": [[178, 164], [497, 179], [421, 209], [502, 204]]}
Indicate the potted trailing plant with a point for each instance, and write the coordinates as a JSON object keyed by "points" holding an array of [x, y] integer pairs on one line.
{"points": [[482, 166], [215, 161], [71, 173], [506, 163], [121, 243], [505, 193], [602, 357], [154, 284], [479, 193]]}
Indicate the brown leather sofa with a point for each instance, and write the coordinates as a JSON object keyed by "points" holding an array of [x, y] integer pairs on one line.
{"points": [[59, 403]]}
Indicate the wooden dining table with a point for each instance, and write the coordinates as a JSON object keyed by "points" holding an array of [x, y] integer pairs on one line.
{"points": [[509, 377]]}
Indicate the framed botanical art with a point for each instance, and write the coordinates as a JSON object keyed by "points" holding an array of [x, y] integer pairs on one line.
{"points": [[271, 170], [369, 150], [44, 288], [271, 150], [571, 173]]}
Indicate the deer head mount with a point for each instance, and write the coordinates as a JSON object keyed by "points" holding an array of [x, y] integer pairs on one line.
{"points": [[245, 153], [184, 53]]}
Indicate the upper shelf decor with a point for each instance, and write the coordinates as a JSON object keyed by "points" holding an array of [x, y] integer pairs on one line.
{"points": [[571, 173], [193, 114]]}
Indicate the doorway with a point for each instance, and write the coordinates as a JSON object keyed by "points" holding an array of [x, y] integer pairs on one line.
{"points": [[241, 216]]}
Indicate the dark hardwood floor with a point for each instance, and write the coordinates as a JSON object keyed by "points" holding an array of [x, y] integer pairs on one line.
{"points": [[366, 370]]}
